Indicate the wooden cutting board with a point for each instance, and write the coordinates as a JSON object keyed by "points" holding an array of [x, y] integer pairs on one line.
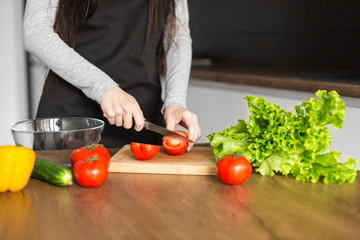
{"points": [[199, 161]]}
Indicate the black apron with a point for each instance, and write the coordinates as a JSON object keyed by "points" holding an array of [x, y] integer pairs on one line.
{"points": [[113, 40]]}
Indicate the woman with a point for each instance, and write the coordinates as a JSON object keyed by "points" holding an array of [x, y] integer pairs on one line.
{"points": [[105, 59]]}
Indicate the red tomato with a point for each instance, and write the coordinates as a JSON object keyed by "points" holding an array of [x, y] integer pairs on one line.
{"points": [[91, 172], [175, 146], [93, 150], [144, 151], [233, 170]]}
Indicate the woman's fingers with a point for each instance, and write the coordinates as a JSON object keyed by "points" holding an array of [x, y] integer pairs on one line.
{"points": [[138, 120], [194, 132], [120, 109], [126, 116], [178, 115]]}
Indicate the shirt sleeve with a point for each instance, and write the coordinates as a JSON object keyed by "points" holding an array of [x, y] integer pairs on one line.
{"points": [[41, 40], [178, 59]]}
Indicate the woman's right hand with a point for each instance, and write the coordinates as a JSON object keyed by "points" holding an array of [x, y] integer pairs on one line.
{"points": [[120, 108]]}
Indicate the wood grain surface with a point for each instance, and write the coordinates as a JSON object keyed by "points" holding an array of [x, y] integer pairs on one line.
{"points": [[160, 206], [199, 161]]}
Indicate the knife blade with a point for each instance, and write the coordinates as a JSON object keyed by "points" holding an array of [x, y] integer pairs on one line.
{"points": [[166, 132]]}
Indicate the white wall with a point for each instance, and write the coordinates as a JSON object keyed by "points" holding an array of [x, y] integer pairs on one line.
{"points": [[13, 90], [219, 105]]}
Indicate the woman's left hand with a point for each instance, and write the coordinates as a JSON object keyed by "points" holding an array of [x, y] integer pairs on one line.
{"points": [[175, 115]]}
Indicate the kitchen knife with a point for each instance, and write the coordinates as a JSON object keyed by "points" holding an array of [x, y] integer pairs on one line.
{"points": [[166, 132]]}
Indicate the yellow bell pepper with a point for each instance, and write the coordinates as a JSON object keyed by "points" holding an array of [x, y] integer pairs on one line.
{"points": [[16, 165]]}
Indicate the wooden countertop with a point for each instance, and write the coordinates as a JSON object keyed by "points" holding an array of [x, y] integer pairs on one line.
{"points": [[151, 206], [309, 80]]}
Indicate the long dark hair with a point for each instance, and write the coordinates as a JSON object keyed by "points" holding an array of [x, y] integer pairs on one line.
{"points": [[71, 15]]}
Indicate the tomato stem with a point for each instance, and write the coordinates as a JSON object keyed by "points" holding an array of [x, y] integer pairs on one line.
{"points": [[92, 146], [91, 159], [236, 155]]}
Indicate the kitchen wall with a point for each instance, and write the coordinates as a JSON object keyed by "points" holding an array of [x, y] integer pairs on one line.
{"points": [[13, 90], [321, 33]]}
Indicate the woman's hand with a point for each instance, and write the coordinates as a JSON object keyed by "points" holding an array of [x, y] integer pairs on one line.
{"points": [[175, 115], [120, 108]]}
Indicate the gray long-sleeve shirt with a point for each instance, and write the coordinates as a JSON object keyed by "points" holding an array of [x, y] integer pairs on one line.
{"points": [[41, 41]]}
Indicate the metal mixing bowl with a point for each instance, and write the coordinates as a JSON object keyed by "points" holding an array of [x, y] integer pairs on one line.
{"points": [[57, 133]]}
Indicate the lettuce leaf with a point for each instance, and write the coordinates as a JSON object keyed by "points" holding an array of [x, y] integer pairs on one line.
{"points": [[278, 141], [230, 141]]}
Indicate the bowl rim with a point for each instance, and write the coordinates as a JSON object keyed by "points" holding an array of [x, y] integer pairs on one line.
{"points": [[14, 129]]}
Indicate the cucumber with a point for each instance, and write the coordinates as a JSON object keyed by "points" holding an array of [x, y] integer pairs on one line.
{"points": [[52, 173]]}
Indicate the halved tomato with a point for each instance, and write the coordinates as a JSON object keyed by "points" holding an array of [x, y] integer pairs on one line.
{"points": [[143, 151], [175, 146]]}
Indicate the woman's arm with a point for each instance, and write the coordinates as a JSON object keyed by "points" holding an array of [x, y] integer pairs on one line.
{"points": [[41, 41], [178, 59], [178, 65]]}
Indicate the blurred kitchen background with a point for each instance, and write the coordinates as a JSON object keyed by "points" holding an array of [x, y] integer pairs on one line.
{"points": [[278, 33]]}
